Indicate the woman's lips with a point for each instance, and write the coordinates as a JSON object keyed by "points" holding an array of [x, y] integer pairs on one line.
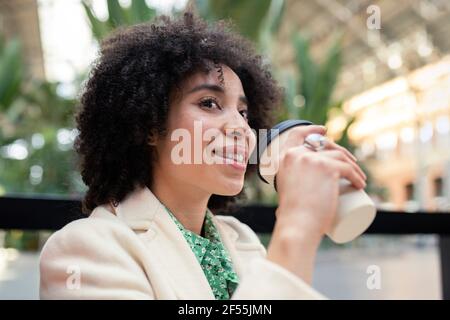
{"points": [[234, 160], [237, 153]]}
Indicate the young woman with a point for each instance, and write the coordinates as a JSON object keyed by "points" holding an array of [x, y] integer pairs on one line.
{"points": [[151, 231]]}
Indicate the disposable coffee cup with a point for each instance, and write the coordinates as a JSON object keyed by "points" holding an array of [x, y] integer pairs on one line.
{"points": [[355, 211]]}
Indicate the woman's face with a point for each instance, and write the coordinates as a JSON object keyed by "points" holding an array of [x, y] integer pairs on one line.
{"points": [[209, 140]]}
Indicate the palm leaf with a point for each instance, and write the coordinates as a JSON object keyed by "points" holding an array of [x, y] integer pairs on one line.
{"points": [[290, 94], [308, 72], [275, 15], [140, 12], [99, 28], [248, 16], [117, 16], [10, 72], [326, 81]]}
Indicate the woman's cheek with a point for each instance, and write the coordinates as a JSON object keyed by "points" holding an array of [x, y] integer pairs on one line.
{"points": [[252, 141]]}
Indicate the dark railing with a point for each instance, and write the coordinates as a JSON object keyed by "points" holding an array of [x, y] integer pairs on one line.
{"points": [[52, 213]]}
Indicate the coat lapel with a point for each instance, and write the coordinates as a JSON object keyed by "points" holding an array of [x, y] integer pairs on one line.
{"points": [[141, 210], [240, 253]]}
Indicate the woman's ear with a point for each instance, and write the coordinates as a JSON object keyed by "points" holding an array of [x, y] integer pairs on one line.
{"points": [[152, 138]]}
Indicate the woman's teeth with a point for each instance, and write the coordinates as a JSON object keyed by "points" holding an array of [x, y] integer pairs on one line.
{"points": [[232, 156]]}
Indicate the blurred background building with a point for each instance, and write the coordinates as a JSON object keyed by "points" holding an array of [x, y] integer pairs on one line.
{"points": [[21, 19], [377, 73], [395, 81]]}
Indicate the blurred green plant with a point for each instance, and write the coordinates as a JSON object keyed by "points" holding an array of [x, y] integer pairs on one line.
{"points": [[10, 72], [248, 16], [118, 16], [308, 96], [32, 116], [22, 240], [35, 137], [258, 20]]}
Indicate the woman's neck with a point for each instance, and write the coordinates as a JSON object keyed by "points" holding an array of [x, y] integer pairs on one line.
{"points": [[187, 203]]}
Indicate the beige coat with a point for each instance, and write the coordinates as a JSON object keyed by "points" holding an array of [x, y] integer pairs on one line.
{"points": [[139, 253]]}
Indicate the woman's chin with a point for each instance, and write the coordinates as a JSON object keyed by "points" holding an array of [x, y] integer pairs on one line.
{"points": [[230, 189]]}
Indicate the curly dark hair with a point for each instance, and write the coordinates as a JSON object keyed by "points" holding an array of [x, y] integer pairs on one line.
{"points": [[127, 97]]}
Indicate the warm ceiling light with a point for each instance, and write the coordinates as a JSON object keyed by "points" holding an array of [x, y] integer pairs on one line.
{"points": [[443, 125], [395, 61]]}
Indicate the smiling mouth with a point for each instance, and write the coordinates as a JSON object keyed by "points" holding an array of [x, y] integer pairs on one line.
{"points": [[238, 157]]}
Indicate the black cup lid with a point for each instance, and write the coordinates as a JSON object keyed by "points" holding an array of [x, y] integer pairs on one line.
{"points": [[278, 129]]}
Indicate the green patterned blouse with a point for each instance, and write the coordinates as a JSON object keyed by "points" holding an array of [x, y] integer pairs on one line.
{"points": [[212, 256]]}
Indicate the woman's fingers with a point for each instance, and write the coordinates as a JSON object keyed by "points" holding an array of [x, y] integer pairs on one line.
{"points": [[301, 132], [342, 156], [335, 160], [312, 129], [348, 172], [330, 145], [298, 134], [333, 145]]}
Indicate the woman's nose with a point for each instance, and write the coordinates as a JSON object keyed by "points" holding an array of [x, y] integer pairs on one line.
{"points": [[237, 133], [235, 129]]}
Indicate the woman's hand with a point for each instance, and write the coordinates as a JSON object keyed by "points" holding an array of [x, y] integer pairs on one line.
{"points": [[308, 188]]}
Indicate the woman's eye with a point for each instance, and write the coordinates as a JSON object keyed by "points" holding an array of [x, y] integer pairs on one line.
{"points": [[209, 103], [244, 113]]}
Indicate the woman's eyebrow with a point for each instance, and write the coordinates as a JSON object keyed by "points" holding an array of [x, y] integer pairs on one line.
{"points": [[215, 88], [206, 86]]}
